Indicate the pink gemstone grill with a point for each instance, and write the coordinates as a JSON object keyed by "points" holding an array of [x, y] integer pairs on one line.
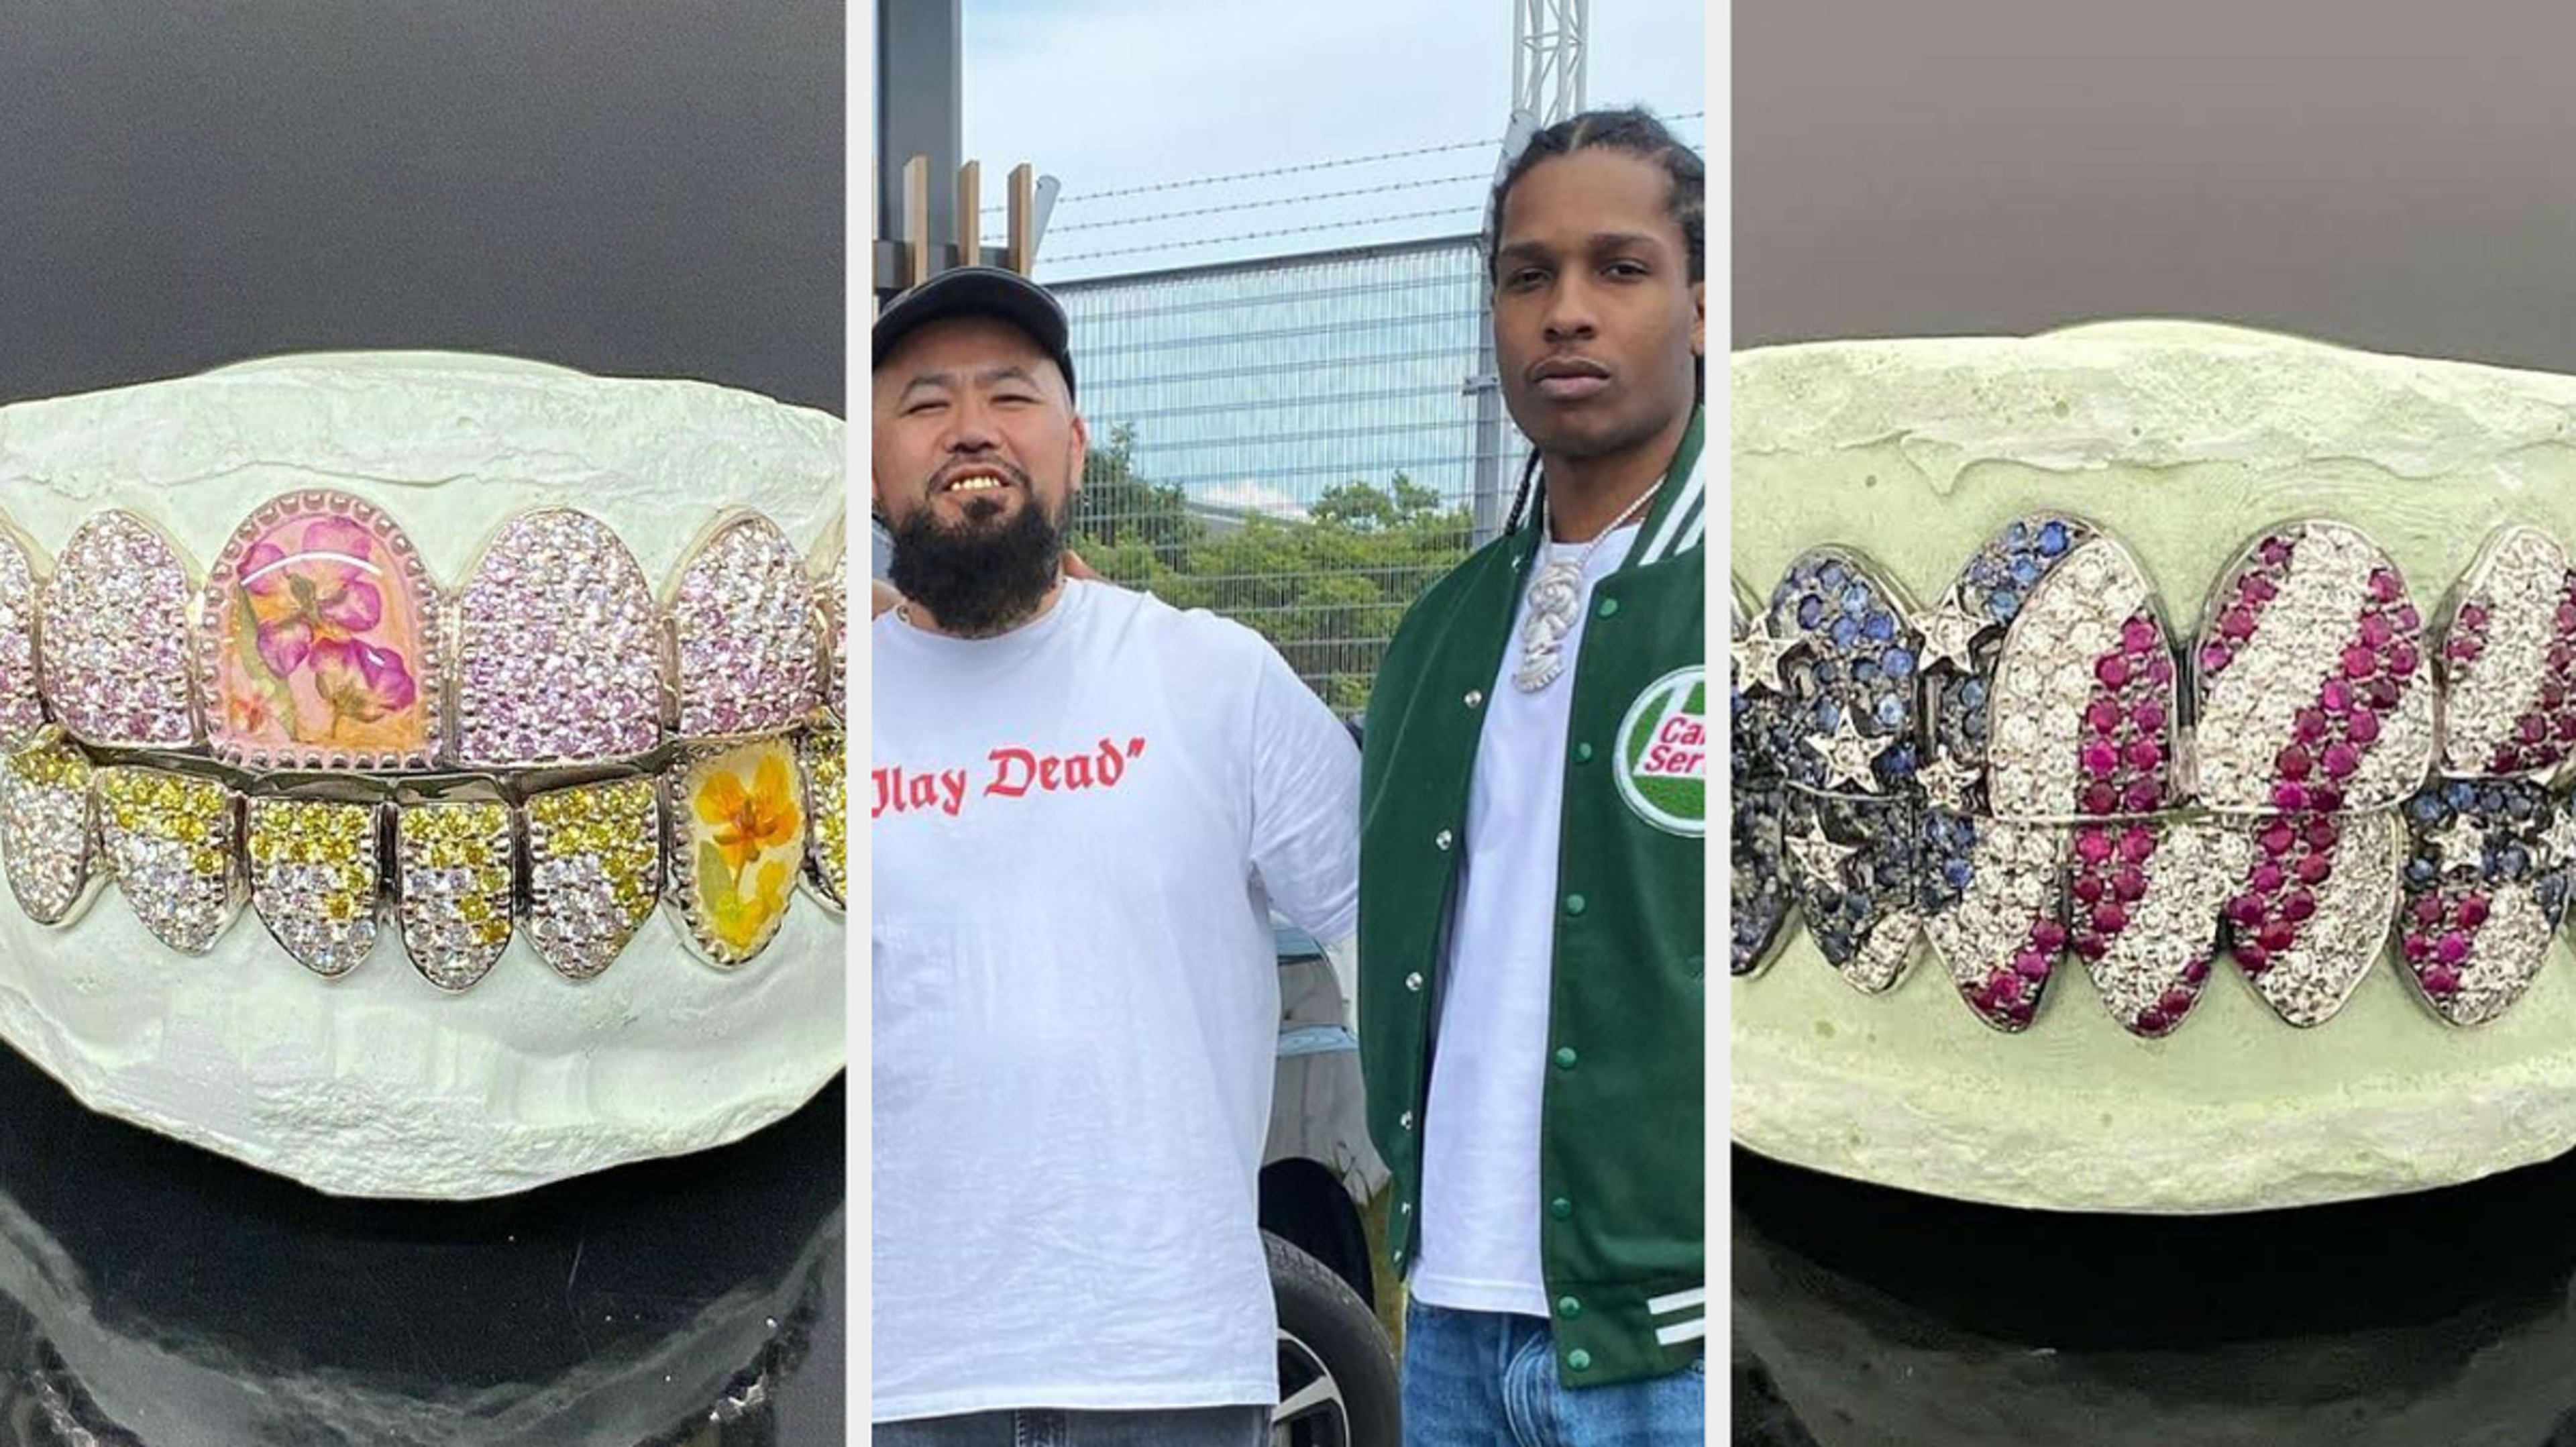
{"points": [[115, 637]]}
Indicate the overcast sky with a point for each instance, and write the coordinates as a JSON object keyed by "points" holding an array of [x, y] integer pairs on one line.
{"points": [[1113, 94]]}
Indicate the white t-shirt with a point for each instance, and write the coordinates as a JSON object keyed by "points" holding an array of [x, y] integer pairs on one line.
{"points": [[1078, 830], [1480, 1125]]}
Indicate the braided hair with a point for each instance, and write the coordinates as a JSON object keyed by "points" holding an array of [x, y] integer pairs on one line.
{"points": [[1636, 132]]}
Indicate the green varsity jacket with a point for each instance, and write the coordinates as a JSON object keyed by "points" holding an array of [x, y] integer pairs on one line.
{"points": [[1621, 1161]]}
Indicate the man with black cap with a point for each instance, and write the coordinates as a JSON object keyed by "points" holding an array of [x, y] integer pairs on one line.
{"points": [[1085, 805]]}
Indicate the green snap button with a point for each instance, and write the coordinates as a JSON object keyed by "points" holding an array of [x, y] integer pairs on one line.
{"points": [[1606, 608], [1568, 1307], [1579, 1359], [1583, 753], [1574, 904], [1565, 1057], [1560, 1208]]}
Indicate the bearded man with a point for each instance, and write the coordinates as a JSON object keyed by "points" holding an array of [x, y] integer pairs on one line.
{"points": [[1086, 804]]}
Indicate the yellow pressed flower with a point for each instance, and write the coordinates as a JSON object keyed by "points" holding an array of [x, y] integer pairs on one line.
{"points": [[749, 823]]}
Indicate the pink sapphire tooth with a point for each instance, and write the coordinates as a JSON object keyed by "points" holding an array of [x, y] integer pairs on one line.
{"points": [[743, 632], [556, 643], [113, 627]]}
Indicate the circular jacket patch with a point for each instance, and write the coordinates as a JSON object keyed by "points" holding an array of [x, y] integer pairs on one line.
{"points": [[1663, 753]]}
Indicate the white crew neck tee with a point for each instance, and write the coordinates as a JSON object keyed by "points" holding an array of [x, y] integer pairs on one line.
{"points": [[1479, 1238], [1078, 830]]}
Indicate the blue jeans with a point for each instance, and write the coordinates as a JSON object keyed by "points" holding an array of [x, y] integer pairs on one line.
{"points": [[1479, 1379], [1047, 1427]]}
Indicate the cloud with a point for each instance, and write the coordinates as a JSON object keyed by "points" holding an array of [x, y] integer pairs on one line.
{"points": [[1117, 95]]}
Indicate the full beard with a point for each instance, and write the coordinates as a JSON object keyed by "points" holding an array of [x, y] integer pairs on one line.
{"points": [[978, 581]]}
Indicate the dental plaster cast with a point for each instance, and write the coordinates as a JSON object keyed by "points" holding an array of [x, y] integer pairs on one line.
{"points": [[2232, 1088], [374, 1083]]}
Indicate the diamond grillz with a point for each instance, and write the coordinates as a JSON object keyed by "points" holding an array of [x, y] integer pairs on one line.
{"points": [[2035, 770]]}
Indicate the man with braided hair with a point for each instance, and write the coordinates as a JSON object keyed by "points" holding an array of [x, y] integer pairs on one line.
{"points": [[1533, 817]]}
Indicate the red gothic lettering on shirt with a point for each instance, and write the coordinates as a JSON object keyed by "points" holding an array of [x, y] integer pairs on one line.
{"points": [[902, 793], [1016, 773]]}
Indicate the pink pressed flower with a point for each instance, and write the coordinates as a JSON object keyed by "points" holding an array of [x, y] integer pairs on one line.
{"points": [[360, 681], [320, 596]]}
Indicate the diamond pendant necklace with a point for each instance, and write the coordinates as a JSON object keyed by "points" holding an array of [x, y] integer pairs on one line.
{"points": [[1555, 595]]}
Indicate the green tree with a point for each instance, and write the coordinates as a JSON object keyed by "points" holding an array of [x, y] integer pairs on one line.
{"points": [[1327, 589]]}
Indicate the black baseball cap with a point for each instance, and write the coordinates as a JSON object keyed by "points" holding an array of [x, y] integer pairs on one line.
{"points": [[988, 291]]}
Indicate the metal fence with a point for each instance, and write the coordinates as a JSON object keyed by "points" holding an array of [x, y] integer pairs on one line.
{"points": [[1302, 444]]}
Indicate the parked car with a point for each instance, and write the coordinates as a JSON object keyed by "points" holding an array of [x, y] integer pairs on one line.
{"points": [[1337, 1380]]}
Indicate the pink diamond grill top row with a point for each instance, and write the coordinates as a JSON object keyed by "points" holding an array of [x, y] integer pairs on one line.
{"points": [[319, 640]]}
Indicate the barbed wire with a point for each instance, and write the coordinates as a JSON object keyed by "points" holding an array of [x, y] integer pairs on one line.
{"points": [[1266, 235], [1296, 170], [1273, 201]]}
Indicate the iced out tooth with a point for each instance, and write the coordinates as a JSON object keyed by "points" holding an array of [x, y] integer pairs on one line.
{"points": [[315, 878], [2311, 913], [169, 840], [45, 828], [22, 704], [1758, 882], [2144, 905], [113, 629], [452, 886], [2485, 886], [1855, 867], [2312, 679], [594, 871], [1850, 675], [824, 754], [558, 654], [742, 626], [2508, 654], [2000, 935]]}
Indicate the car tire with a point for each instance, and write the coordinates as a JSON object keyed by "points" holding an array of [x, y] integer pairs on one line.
{"points": [[1336, 1369]]}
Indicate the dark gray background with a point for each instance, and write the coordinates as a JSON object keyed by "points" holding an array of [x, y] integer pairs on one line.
{"points": [[2395, 176], [647, 189]]}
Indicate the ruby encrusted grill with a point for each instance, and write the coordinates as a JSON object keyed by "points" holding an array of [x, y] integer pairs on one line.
{"points": [[743, 624], [2315, 724], [2511, 653], [115, 636], [556, 648]]}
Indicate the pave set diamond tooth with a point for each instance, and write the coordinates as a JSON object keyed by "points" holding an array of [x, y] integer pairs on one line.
{"points": [[743, 634], [558, 659], [47, 837], [2061, 747], [1847, 679], [316, 877], [1758, 877], [594, 871], [2485, 887], [114, 629], [824, 754], [452, 885], [2508, 659], [320, 641], [832, 614], [169, 839], [22, 699]]}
